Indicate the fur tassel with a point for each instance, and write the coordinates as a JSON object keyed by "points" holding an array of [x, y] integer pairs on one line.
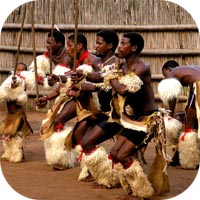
{"points": [[8, 93], [138, 181], [7, 150], [43, 64], [188, 148], [29, 78], [120, 171], [101, 169], [13, 149], [85, 68], [61, 70], [47, 87], [22, 98], [158, 175], [54, 150], [168, 89], [173, 129], [84, 170]]}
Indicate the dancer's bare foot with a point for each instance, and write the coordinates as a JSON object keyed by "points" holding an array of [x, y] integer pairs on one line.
{"points": [[128, 197], [58, 167], [178, 167], [96, 185], [4, 159], [88, 179]]}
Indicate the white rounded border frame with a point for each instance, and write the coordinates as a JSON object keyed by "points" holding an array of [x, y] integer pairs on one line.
{"points": [[8, 6]]}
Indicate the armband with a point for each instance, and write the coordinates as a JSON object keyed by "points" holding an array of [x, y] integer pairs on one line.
{"points": [[132, 82], [106, 83], [110, 77], [86, 69]]}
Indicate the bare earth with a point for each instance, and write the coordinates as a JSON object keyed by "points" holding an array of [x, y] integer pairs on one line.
{"points": [[34, 179]]}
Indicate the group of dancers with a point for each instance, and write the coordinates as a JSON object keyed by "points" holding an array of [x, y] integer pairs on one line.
{"points": [[110, 96]]}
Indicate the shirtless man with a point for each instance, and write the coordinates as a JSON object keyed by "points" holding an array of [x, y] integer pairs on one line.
{"points": [[187, 76], [136, 91], [64, 108], [57, 54], [56, 44], [83, 57], [169, 90], [106, 44]]}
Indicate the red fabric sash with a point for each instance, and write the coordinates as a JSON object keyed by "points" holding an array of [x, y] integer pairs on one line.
{"points": [[86, 152], [82, 58], [59, 127], [128, 164], [46, 54], [113, 162], [187, 130]]}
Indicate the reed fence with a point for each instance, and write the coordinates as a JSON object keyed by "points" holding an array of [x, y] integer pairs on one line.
{"points": [[169, 31]]}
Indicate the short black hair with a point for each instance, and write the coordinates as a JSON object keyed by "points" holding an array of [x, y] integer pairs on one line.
{"points": [[135, 39], [109, 36], [80, 39], [25, 66], [58, 36], [170, 64]]}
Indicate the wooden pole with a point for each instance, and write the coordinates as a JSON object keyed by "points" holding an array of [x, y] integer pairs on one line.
{"points": [[20, 39], [34, 49], [53, 10], [75, 32], [118, 28], [145, 52]]}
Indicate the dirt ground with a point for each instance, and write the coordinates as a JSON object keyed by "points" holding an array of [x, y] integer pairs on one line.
{"points": [[34, 179]]}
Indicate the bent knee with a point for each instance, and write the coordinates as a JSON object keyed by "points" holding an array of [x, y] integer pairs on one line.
{"points": [[87, 144], [117, 156], [114, 155]]}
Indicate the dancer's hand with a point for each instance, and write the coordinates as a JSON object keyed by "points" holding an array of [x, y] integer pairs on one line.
{"points": [[41, 101], [74, 90], [76, 76], [52, 79]]}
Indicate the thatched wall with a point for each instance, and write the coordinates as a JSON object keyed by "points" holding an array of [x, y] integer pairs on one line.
{"points": [[169, 31]]}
